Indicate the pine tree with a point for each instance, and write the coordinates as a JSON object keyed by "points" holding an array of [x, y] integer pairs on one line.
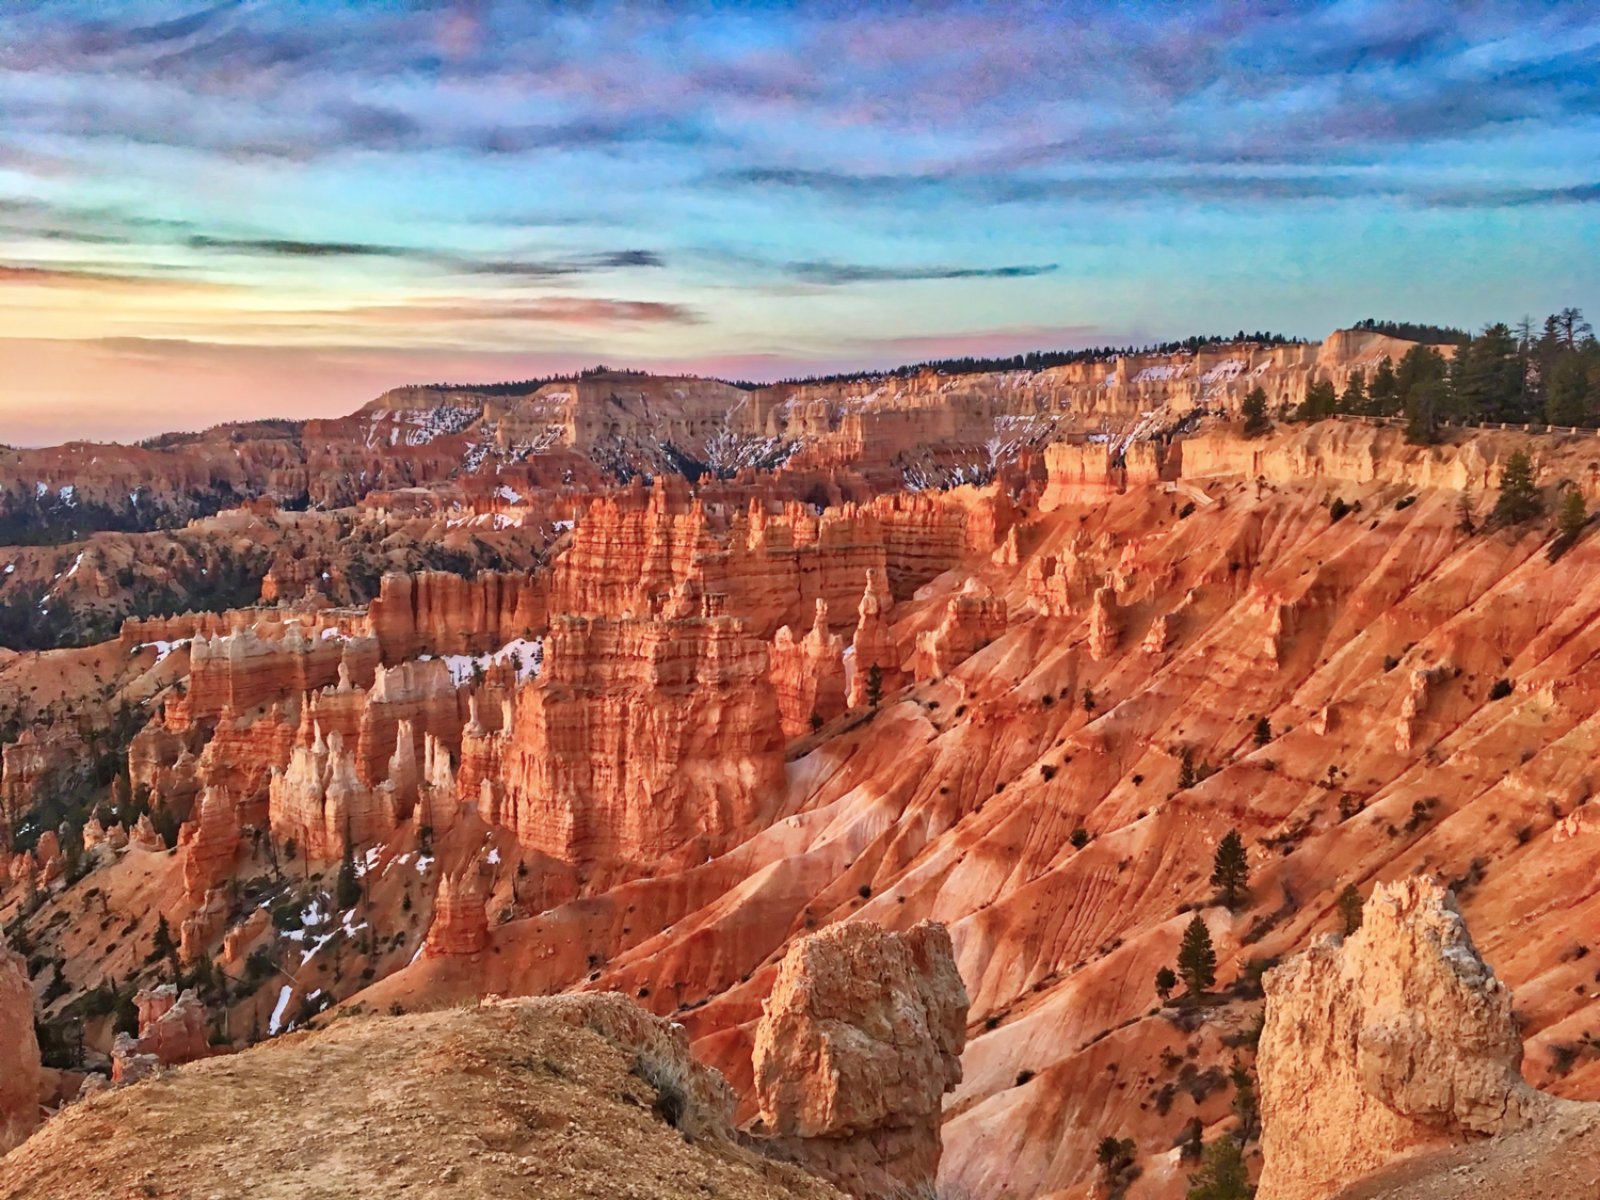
{"points": [[874, 685], [1230, 869], [1197, 957], [1574, 516], [1263, 733], [1166, 980], [1222, 1174], [1354, 398], [1489, 377], [1383, 397], [1320, 401], [1424, 407], [1567, 399], [1245, 1106], [162, 945], [1187, 775], [1350, 909], [1116, 1156], [347, 891], [1254, 412], [1519, 498]]}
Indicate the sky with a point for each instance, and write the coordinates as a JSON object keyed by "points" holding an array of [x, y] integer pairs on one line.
{"points": [[283, 207]]}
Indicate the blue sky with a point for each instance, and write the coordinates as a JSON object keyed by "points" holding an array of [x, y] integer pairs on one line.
{"points": [[283, 206]]}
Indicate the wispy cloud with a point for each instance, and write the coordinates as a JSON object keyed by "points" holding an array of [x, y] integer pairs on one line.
{"points": [[831, 273]]}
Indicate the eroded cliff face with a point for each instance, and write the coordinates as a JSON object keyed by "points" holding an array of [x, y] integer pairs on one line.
{"points": [[19, 1052], [627, 792], [857, 1045], [1395, 1040], [647, 741]]}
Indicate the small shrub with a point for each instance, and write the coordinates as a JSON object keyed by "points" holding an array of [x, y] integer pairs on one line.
{"points": [[1501, 689]]}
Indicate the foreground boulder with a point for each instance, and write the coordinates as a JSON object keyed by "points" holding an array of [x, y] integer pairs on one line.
{"points": [[19, 1052], [561, 1098], [1396, 1040], [861, 1038]]}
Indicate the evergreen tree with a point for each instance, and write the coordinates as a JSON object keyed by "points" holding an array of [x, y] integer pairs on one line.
{"points": [[1187, 775], [1222, 1174], [1354, 399], [1116, 1157], [1567, 398], [1425, 405], [1350, 909], [347, 891], [1570, 328], [1488, 377], [162, 945], [1197, 957], [1166, 980], [1254, 412], [874, 685], [1245, 1106], [1383, 397], [1263, 733], [1519, 497], [1573, 516], [1230, 869], [1321, 401]]}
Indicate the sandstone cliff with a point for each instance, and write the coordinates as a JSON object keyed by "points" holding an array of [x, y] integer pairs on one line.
{"points": [[857, 1045], [19, 1052], [1396, 1040]]}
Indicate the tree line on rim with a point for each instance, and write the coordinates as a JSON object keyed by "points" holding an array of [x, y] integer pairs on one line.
{"points": [[1529, 374]]}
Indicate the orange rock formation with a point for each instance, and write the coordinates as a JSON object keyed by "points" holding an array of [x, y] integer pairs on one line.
{"points": [[858, 1042]]}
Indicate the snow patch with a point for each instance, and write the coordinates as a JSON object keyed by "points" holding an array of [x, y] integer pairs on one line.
{"points": [[277, 1013], [527, 654]]}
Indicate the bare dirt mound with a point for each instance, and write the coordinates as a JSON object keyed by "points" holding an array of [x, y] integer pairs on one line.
{"points": [[559, 1098], [1558, 1160]]}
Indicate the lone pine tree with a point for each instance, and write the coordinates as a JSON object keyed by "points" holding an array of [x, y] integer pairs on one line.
{"points": [[1230, 869], [1197, 957]]}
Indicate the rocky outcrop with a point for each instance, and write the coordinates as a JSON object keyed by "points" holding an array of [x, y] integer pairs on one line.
{"points": [[858, 1042], [460, 921], [1398, 1039], [261, 664], [209, 843], [1079, 474], [172, 1026], [322, 804], [644, 742], [875, 657], [28, 767], [19, 1052], [435, 612], [808, 675], [973, 618]]}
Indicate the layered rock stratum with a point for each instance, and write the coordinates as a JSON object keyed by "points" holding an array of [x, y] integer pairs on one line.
{"points": [[1011, 653], [859, 1042], [1397, 1039]]}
